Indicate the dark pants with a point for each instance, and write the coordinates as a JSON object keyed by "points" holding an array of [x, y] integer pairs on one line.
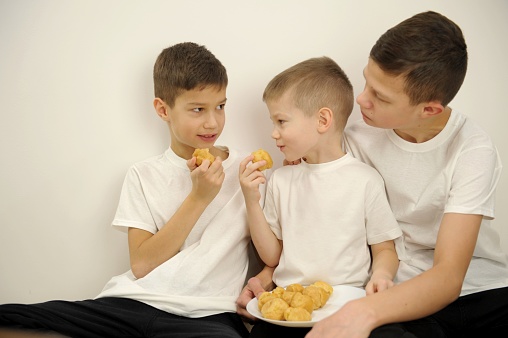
{"points": [[480, 315], [268, 330], [116, 317]]}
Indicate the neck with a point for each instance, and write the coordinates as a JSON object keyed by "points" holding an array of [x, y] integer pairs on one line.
{"points": [[426, 130], [327, 151]]}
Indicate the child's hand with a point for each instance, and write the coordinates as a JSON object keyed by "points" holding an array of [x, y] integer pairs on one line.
{"points": [[251, 290], [206, 179], [378, 282], [251, 178]]}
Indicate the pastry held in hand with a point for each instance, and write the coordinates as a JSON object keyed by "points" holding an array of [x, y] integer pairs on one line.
{"points": [[201, 155], [260, 155]]}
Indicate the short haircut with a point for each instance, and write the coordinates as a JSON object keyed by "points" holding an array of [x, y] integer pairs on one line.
{"points": [[186, 66], [315, 83], [429, 50]]}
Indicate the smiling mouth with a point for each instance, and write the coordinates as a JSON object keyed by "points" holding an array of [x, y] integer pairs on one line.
{"points": [[208, 137]]}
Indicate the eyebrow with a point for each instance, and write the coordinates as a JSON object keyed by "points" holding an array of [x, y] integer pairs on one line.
{"points": [[380, 94], [203, 104]]}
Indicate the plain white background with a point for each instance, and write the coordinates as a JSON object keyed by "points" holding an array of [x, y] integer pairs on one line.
{"points": [[76, 108]]}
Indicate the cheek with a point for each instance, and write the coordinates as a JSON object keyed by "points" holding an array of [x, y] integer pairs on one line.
{"points": [[221, 120]]}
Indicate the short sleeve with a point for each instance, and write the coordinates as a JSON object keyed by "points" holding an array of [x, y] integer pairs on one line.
{"points": [[133, 210], [474, 180]]}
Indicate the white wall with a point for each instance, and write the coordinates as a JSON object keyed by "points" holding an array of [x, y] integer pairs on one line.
{"points": [[75, 108]]}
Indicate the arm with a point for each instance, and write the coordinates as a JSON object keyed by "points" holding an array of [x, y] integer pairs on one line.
{"points": [[416, 298], [385, 263], [267, 245], [147, 250]]}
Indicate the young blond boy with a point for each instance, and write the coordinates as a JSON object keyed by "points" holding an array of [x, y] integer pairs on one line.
{"points": [[324, 217]]}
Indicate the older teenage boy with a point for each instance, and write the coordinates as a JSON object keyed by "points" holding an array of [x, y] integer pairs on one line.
{"points": [[441, 172]]}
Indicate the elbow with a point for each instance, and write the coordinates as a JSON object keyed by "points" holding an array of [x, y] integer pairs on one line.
{"points": [[453, 289], [139, 270], [271, 262], [456, 289]]}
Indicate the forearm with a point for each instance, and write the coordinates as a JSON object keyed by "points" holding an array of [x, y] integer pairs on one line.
{"points": [[440, 285], [148, 254], [267, 245], [385, 261], [416, 298]]}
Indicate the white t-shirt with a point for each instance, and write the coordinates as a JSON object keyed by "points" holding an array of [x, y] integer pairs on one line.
{"points": [[455, 172], [208, 273], [326, 215]]}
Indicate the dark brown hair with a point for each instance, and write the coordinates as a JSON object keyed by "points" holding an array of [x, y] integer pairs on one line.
{"points": [[429, 50], [186, 66]]}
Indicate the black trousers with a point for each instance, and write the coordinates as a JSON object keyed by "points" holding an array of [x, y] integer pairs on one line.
{"points": [[116, 317], [479, 315]]}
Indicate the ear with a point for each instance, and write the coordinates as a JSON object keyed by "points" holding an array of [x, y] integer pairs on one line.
{"points": [[325, 119], [161, 108], [431, 109]]}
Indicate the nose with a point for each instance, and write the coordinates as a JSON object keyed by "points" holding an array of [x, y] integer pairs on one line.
{"points": [[275, 134], [363, 100], [211, 121]]}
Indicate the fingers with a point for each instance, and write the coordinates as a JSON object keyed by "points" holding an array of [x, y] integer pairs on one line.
{"points": [[383, 285], [243, 164], [241, 303], [250, 177], [369, 288], [191, 164], [378, 286], [254, 284], [246, 169]]}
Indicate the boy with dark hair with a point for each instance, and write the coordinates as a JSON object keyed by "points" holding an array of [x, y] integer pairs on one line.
{"points": [[441, 172], [187, 231]]}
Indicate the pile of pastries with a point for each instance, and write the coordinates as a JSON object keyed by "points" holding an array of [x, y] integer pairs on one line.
{"points": [[295, 302]]}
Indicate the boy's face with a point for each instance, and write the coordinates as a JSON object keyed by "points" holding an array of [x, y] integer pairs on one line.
{"points": [[295, 133], [383, 103], [196, 120]]}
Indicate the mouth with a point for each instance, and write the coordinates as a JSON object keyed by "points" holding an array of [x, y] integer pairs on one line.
{"points": [[208, 137], [365, 116]]}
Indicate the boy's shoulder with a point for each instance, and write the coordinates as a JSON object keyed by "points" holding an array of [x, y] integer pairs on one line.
{"points": [[154, 160], [360, 129]]}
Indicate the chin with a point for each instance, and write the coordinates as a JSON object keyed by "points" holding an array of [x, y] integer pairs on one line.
{"points": [[368, 121]]}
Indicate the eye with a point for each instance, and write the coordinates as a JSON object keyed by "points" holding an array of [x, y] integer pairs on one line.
{"points": [[197, 110], [380, 98], [221, 106], [281, 122]]}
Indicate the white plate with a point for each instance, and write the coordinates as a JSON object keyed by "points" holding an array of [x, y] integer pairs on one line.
{"points": [[340, 296]]}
